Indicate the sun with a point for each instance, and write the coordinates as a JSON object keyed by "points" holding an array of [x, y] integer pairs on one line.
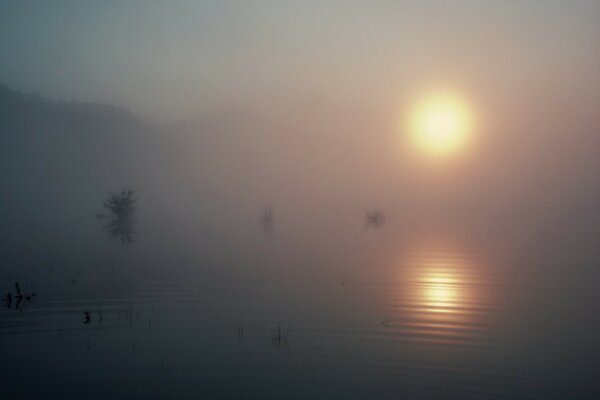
{"points": [[441, 123]]}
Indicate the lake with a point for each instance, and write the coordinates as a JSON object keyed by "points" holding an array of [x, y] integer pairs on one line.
{"points": [[425, 322]]}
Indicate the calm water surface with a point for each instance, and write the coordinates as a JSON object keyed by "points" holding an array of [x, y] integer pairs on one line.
{"points": [[409, 324]]}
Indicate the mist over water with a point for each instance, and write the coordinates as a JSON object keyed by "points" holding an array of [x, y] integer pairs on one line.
{"points": [[258, 224], [259, 257]]}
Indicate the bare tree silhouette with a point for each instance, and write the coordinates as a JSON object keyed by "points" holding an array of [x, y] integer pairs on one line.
{"points": [[266, 220], [373, 218], [122, 209]]}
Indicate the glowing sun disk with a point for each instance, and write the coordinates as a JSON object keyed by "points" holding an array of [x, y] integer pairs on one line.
{"points": [[441, 123]]}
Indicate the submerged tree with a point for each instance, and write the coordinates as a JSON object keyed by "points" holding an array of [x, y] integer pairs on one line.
{"points": [[266, 220], [122, 210], [373, 218]]}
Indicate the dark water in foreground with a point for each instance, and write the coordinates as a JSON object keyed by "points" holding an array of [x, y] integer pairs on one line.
{"points": [[420, 325]]}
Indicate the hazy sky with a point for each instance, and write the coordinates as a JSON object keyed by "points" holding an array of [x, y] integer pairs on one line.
{"points": [[179, 58]]}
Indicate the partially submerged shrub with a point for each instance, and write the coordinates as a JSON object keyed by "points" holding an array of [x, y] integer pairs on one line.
{"points": [[122, 209]]}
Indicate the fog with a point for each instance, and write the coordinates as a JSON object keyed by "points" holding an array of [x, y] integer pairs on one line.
{"points": [[277, 195], [529, 171]]}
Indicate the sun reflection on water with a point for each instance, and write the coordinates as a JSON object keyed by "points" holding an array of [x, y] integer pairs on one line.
{"points": [[439, 291], [440, 286], [445, 298]]}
